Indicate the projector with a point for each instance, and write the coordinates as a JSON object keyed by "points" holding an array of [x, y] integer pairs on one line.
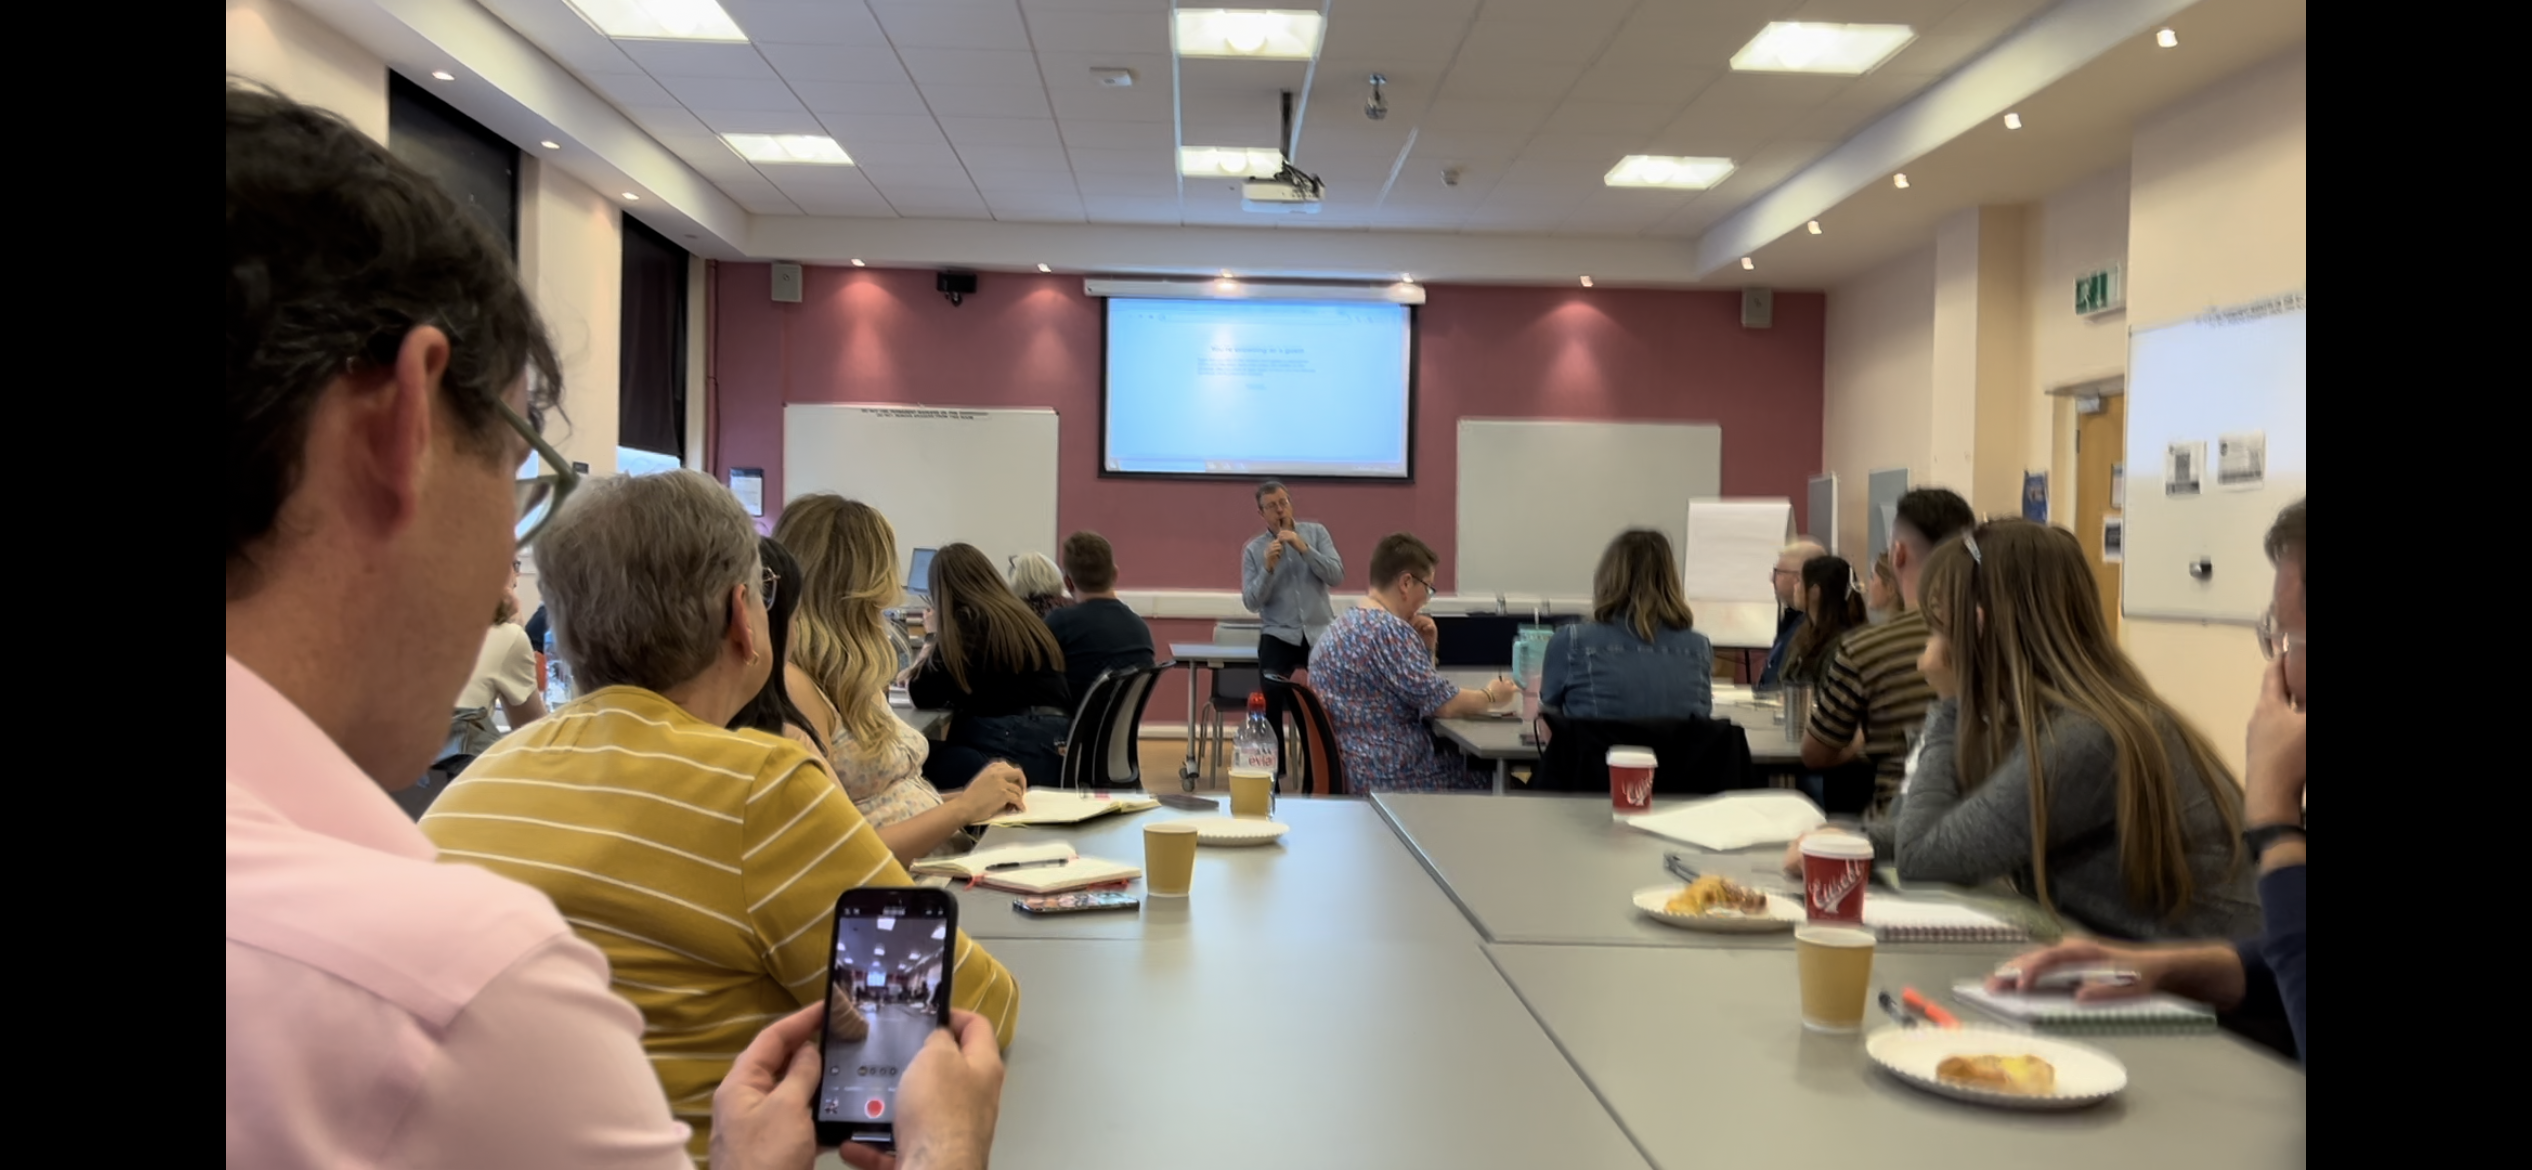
{"points": [[1297, 195]]}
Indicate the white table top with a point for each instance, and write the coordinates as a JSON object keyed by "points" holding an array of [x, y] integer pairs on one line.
{"points": [[1211, 654], [1702, 1055], [1500, 739]]}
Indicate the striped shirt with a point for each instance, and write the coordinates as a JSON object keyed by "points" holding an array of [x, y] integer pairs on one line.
{"points": [[704, 862], [1873, 683]]}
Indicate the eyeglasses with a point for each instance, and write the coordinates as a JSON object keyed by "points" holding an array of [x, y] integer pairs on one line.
{"points": [[539, 496], [1428, 585], [769, 587], [2272, 640]]}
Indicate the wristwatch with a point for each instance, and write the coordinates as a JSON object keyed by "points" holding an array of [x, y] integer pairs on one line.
{"points": [[2261, 837]]}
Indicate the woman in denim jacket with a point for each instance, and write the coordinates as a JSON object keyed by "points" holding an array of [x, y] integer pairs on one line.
{"points": [[1636, 659]]}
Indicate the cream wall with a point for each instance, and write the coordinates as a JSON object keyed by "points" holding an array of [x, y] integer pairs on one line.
{"points": [[274, 42], [2082, 227], [2216, 216], [571, 252], [2004, 387], [1879, 367], [1951, 454]]}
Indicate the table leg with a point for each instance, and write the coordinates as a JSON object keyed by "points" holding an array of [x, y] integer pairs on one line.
{"points": [[1503, 772], [1187, 769]]}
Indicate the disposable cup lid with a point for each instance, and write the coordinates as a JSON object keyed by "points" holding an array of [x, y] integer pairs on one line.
{"points": [[1845, 845], [1632, 757]]}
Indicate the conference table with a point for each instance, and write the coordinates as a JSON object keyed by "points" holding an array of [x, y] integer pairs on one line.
{"points": [[1499, 739], [1443, 980]]}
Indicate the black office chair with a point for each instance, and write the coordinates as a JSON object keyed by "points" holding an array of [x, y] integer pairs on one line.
{"points": [[1845, 790], [1697, 757], [1104, 749]]}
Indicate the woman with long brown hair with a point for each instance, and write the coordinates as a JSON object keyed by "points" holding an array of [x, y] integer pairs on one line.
{"points": [[841, 661], [997, 667], [1638, 658], [2048, 759], [1832, 603]]}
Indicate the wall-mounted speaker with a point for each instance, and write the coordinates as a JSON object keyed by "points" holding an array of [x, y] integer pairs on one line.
{"points": [[1758, 308], [955, 285], [786, 282]]}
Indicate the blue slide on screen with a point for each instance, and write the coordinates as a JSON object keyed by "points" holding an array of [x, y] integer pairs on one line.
{"points": [[1253, 388]]}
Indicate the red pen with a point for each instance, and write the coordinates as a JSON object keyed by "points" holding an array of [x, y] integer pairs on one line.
{"points": [[1931, 1010]]}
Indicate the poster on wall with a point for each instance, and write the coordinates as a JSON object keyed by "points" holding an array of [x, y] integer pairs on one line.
{"points": [[2183, 463], [2035, 496], [2114, 536], [748, 484], [2242, 461]]}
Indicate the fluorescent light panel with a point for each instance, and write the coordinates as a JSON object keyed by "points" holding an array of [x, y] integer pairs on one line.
{"points": [[808, 149], [1798, 47], [1653, 170], [1254, 33], [1224, 162], [659, 20]]}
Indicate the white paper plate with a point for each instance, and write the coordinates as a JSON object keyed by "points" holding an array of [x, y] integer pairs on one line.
{"points": [[1236, 830], [2085, 1075], [1782, 913]]}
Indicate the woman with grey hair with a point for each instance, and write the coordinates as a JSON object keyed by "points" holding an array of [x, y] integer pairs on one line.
{"points": [[692, 855], [1038, 582]]}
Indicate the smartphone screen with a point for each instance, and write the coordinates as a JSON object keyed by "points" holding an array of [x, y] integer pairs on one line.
{"points": [[887, 989]]}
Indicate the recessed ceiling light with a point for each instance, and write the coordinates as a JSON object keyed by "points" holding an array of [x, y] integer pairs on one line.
{"points": [[1815, 227], [1586, 282], [857, 263], [442, 75], [807, 149], [1748, 264], [659, 20], [1212, 162], [630, 195], [1654, 170], [1900, 181], [2167, 38], [550, 144], [1044, 268], [1798, 47], [1241, 32], [2013, 121]]}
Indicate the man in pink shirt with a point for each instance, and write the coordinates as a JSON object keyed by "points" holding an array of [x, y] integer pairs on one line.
{"points": [[384, 1009]]}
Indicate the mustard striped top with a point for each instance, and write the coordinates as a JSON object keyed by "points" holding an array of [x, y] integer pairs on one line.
{"points": [[704, 862]]}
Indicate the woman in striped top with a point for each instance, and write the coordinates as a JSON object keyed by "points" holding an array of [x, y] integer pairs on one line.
{"points": [[704, 862]]}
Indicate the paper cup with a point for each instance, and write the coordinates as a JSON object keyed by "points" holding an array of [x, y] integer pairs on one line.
{"points": [[1631, 781], [1169, 859], [1252, 792], [1836, 968], [1835, 869]]}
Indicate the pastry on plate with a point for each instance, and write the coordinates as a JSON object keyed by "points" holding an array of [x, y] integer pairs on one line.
{"points": [[2022, 1076], [1711, 893]]}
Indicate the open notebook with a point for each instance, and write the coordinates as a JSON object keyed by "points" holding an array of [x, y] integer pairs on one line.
{"points": [[1054, 806], [1068, 871], [1893, 920], [2058, 1012]]}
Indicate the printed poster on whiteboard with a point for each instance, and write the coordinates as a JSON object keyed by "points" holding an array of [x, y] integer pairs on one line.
{"points": [[2183, 464], [2242, 461]]}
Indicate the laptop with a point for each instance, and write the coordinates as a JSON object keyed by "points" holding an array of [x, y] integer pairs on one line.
{"points": [[919, 578]]}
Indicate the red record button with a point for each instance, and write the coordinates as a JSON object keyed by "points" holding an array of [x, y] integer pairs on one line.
{"points": [[873, 1107]]}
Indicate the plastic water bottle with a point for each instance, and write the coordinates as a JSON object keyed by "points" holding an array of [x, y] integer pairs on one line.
{"points": [[1255, 745], [557, 677]]}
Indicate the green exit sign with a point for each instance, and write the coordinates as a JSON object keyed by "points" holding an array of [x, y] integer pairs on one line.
{"points": [[2099, 292]]}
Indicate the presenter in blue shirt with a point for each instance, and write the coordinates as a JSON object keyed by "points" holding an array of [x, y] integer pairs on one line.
{"points": [[1285, 574]]}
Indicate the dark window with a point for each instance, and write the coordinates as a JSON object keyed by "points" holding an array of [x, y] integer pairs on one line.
{"points": [[479, 168], [651, 404]]}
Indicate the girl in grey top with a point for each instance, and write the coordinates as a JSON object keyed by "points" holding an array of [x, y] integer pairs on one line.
{"points": [[2047, 759]]}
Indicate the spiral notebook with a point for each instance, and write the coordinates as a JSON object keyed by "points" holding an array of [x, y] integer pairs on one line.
{"points": [[2156, 1012], [1893, 920]]}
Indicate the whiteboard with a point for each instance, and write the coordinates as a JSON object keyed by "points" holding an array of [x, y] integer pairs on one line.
{"points": [[2226, 372], [986, 477], [1728, 567], [1540, 499]]}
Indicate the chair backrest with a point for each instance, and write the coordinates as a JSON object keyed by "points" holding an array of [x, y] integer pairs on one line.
{"points": [[1697, 757], [1103, 749], [1232, 685], [1323, 766]]}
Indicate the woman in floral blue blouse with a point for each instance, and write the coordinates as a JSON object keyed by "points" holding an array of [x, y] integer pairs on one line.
{"points": [[1374, 671]]}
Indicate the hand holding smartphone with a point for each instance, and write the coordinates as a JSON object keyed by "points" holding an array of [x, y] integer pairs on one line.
{"points": [[888, 990]]}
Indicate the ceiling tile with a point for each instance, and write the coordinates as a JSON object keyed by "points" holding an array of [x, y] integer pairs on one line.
{"points": [[976, 210], [1402, 40], [890, 178], [773, 204], [804, 22], [1115, 135], [1020, 183], [853, 97], [1066, 210], [1100, 32], [1128, 186], [631, 90], [666, 59], [971, 67], [1465, 146], [563, 35], [1719, 130], [796, 181], [1533, 81], [727, 93], [1573, 40], [1040, 161], [1498, 117], [1115, 209], [967, 132], [952, 24], [864, 63], [1594, 153], [665, 122], [902, 194], [1986, 19], [761, 121], [1069, 70], [1796, 91], [1642, 84], [907, 154], [1089, 160], [985, 101], [1608, 118], [873, 207], [853, 129], [1146, 101]]}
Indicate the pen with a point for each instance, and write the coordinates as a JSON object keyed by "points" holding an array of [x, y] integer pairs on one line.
{"points": [[1898, 1013], [998, 868], [1932, 1011]]}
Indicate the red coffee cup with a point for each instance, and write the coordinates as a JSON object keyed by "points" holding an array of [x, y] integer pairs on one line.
{"points": [[1835, 868], [1631, 781]]}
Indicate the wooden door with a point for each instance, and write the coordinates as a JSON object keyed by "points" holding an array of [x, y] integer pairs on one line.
{"points": [[2101, 445]]}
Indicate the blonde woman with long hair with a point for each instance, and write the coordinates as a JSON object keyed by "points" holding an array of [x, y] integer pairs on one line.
{"points": [[2047, 758], [842, 661], [1639, 657]]}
